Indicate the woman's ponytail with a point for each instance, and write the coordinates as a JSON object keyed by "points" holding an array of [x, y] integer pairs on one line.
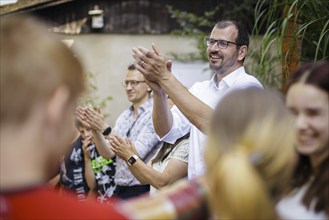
{"points": [[242, 194]]}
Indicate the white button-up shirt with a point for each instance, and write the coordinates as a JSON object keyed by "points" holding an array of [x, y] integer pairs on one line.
{"points": [[209, 93]]}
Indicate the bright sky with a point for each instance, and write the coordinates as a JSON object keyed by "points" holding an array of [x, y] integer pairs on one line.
{"points": [[6, 2]]}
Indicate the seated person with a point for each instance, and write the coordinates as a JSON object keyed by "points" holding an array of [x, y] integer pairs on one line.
{"points": [[73, 169], [98, 172], [168, 166], [72, 178]]}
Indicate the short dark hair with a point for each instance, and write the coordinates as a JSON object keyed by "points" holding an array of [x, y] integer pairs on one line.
{"points": [[131, 67], [243, 36]]}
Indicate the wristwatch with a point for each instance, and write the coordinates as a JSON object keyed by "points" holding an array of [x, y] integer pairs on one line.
{"points": [[132, 160], [107, 131]]}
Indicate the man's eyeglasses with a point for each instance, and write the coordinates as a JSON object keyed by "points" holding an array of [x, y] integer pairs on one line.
{"points": [[222, 44], [133, 83]]}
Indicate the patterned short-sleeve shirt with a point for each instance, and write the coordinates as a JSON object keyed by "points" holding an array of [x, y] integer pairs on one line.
{"points": [[141, 133]]}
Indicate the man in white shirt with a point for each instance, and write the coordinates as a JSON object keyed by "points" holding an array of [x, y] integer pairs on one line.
{"points": [[227, 49]]}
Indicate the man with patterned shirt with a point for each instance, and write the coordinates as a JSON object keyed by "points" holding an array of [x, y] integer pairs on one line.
{"points": [[135, 123]]}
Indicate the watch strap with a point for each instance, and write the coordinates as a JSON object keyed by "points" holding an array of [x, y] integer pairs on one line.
{"points": [[107, 131]]}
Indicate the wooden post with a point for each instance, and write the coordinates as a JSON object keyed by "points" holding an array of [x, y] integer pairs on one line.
{"points": [[291, 46]]}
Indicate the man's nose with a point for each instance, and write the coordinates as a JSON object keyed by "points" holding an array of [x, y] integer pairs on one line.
{"points": [[128, 87]]}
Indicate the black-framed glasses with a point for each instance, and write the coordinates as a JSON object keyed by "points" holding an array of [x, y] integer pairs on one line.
{"points": [[133, 83], [222, 44]]}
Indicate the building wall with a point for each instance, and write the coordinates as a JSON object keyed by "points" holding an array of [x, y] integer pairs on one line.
{"points": [[107, 56]]}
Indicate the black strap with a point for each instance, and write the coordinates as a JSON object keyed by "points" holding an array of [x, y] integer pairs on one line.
{"points": [[107, 131]]}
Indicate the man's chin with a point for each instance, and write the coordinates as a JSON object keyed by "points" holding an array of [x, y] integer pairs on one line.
{"points": [[213, 67], [216, 69]]}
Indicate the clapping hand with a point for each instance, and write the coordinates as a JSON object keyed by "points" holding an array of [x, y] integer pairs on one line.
{"points": [[90, 118], [122, 147], [80, 116], [151, 64]]}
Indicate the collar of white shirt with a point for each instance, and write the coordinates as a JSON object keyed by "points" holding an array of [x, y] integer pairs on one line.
{"points": [[229, 79]]}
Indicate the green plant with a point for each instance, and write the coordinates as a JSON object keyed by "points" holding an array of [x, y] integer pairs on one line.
{"points": [[296, 31]]}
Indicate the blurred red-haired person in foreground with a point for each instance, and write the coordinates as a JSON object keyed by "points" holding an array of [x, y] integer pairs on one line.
{"points": [[41, 80], [308, 99]]}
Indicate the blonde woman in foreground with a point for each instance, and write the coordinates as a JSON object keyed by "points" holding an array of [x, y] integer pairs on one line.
{"points": [[249, 155]]}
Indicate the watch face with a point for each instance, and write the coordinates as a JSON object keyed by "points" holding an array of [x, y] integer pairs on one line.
{"points": [[131, 160]]}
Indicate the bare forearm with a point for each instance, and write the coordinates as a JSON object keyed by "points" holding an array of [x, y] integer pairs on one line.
{"points": [[89, 174], [197, 112], [162, 116], [147, 175], [102, 146]]}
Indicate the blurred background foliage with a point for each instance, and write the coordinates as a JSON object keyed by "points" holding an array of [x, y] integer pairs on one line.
{"points": [[297, 31]]}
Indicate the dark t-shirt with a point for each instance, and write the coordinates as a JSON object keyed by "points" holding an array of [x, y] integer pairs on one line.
{"points": [[72, 171], [104, 171]]}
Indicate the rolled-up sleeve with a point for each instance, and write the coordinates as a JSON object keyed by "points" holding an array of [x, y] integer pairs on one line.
{"points": [[181, 126]]}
